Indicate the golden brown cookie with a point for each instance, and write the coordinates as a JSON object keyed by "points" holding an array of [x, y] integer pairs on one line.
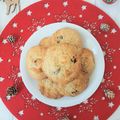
{"points": [[76, 86], [61, 63], [67, 35], [46, 42], [87, 61], [34, 61], [49, 89]]}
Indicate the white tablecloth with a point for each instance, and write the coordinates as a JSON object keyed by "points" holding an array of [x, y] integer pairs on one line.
{"points": [[113, 10]]}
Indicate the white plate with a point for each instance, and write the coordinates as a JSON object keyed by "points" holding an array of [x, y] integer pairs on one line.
{"points": [[95, 79]]}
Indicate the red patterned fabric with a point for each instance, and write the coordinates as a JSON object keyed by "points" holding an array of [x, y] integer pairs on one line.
{"points": [[24, 106]]}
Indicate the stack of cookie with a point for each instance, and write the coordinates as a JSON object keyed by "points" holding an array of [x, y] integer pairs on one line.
{"points": [[60, 64]]}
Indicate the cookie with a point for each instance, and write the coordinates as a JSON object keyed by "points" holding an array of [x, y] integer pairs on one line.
{"points": [[75, 87], [87, 61], [36, 74], [46, 42], [61, 63], [49, 89], [34, 61], [67, 35]]}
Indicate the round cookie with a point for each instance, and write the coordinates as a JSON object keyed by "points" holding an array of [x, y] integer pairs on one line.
{"points": [[34, 61], [49, 89], [46, 42], [62, 63], [67, 35], [76, 86], [87, 61]]}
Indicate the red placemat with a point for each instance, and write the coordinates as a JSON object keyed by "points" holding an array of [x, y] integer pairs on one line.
{"points": [[23, 105]]}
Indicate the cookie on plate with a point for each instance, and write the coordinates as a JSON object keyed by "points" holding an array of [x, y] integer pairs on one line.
{"points": [[74, 87], [49, 89], [67, 35], [87, 61], [34, 61], [36, 74], [46, 42], [62, 63]]}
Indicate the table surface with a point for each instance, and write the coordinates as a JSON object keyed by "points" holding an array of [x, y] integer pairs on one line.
{"points": [[4, 19]]}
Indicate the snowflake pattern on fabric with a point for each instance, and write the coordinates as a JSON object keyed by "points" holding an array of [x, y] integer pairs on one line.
{"points": [[35, 24], [107, 82], [87, 105], [15, 75], [64, 17], [30, 101], [108, 52], [16, 46], [58, 112], [91, 27]]}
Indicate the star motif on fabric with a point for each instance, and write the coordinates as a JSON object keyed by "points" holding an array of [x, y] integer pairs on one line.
{"points": [[119, 87], [113, 30], [46, 5], [83, 7], [64, 17], [4, 41], [15, 25], [1, 79], [100, 17], [19, 74], [1, 59], [21, 113], [29, 13], [111, 104], [65, 3], [96, 117]]}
